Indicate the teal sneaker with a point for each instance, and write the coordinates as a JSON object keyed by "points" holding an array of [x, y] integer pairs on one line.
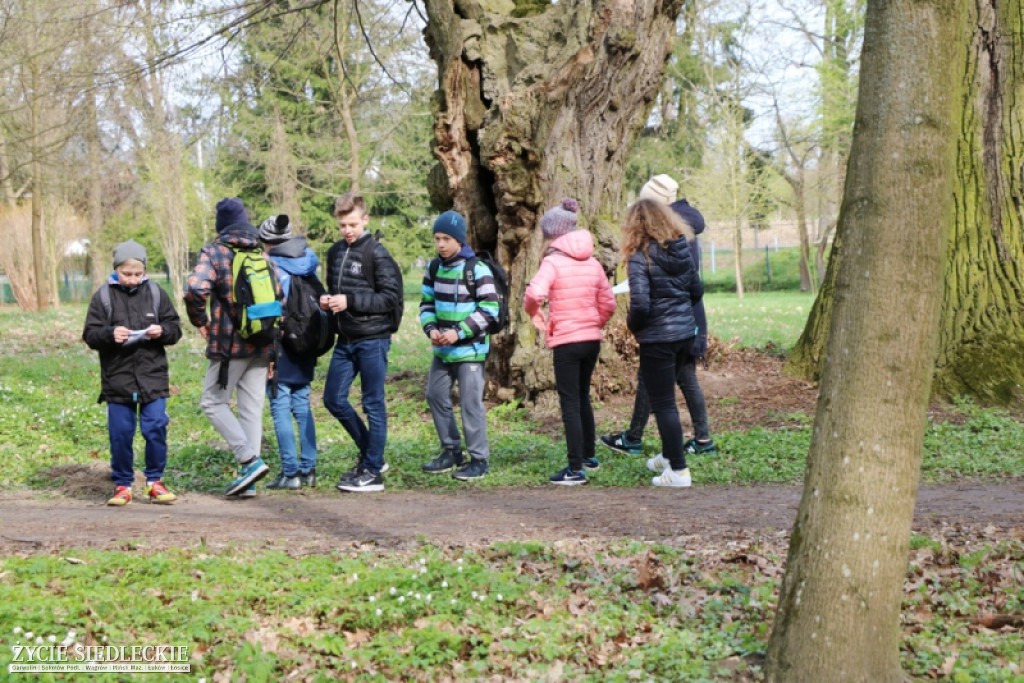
{"points": [[694, 447], [250, 473], [622, 443]]}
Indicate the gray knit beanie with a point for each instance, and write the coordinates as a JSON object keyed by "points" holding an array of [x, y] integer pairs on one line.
{"points": [[129, 251], [560, 219], [276, 229]]}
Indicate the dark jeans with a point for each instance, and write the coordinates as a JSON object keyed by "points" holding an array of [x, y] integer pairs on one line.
{"points": [[367, 358], [152, 420], [660, 365], [686, 378], [574, 366]]}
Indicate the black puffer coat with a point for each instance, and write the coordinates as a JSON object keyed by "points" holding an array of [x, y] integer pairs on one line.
{"points": [[137, 372], [663, 287], [369, 310]]}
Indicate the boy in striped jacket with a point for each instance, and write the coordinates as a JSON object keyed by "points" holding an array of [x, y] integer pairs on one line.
{"points": [[456, 310]]}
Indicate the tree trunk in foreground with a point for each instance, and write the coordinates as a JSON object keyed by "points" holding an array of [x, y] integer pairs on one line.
{"points": [[530, 110], [838, 616], [982, 330]]}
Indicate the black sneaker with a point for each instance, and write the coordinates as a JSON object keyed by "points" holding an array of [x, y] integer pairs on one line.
{"points": [[308, 478], [474, 469], [694, 447], [622, 443], [350, 474], [568, 478], [446, 461], [364, 482], [283, 481]]}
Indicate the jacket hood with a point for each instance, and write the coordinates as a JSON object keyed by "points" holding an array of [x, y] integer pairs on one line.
{"points": [[293, 248], [578, 244], [689, 214], [466, 251], [239, 235], [115, 281], [305, 264], [674, 258]]}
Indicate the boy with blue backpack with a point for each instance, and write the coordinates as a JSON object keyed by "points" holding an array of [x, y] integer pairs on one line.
{"points": [[460, 305], [244, 297], [293, 369]]}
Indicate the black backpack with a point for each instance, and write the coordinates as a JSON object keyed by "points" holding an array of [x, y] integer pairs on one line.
{"points": [[469, 277], [306, 329], [370, 273], [154, 292]]}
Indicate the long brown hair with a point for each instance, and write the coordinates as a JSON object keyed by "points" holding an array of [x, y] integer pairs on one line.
{"points": [[649, 220]]}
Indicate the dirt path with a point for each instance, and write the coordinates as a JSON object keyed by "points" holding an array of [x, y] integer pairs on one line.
{"points": [[32, 523]]}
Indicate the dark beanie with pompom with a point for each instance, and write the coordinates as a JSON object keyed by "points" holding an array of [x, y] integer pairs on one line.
{"points": [[561, 219]]}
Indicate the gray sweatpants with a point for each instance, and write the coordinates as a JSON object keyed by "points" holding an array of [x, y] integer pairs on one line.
{"points": [[470, 377], [244, 434]]}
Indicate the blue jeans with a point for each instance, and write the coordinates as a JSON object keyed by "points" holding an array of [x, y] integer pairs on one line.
{"points": [[367, 358], [293, 400], [153, 422]]}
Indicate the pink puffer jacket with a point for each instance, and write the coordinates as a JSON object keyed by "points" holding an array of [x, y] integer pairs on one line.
{"points": [[580, 300]]}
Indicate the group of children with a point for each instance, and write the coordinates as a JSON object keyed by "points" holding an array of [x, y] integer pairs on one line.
{"points": [[131, 320]]}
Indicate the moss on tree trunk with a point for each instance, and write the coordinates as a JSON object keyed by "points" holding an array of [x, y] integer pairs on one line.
{"points": [[982, 333]]}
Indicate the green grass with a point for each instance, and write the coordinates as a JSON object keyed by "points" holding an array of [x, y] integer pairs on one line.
{"points": [[764, 320], [569, 611], [49, 382]]}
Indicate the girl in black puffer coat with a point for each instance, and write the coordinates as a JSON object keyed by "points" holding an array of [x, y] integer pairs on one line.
{"points": [[663, 288]]}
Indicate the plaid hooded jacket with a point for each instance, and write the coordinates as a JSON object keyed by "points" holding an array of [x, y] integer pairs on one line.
{"points": [[211, 280]]}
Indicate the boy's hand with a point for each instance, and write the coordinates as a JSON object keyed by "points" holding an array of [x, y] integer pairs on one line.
{"points": [[435, 337], [121, 334], [448, 337], [154, 331], [270, 371], [204, 331], [336, 303]]}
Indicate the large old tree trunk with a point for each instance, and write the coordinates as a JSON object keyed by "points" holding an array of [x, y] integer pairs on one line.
{"points": [[838, 616], [982, 329], [529, 110]]}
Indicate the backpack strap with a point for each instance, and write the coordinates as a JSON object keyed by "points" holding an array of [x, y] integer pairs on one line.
{"points": [[369, 267], [469, 275], [154, 293]]}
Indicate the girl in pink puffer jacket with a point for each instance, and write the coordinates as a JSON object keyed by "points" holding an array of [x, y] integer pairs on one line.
{"points": [[579, 304]]}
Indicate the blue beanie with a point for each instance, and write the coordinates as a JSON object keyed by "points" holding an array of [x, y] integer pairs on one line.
{"points": [[451, 223], [230, 211]]}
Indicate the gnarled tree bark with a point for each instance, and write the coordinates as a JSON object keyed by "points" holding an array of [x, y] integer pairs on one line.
{"points": [[530, 109]]}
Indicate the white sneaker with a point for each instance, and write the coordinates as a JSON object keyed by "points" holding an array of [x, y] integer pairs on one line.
{"points": [[658, 464], [673, 478]]}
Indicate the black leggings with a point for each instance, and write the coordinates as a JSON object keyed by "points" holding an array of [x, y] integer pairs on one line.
{"points": [[574, 366], [659, 366]]}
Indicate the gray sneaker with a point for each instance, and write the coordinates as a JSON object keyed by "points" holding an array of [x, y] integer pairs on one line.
{"points": [[446, 461], [308, 479], [292, 483]]}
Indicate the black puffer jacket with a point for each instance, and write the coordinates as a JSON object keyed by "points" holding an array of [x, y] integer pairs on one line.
{"points": [[137, 372], [663, 287], [369, 310]]}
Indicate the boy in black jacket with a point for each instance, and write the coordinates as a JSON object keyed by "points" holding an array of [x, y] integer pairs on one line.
{"points": [[130, 321]]}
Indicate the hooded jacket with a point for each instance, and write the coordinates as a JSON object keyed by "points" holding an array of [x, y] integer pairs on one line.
{"points": [[695, 220], [663, 288], [213, 280], [576, 289], [293, 257], [446, 303], [368, 315], [135, 372]]}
